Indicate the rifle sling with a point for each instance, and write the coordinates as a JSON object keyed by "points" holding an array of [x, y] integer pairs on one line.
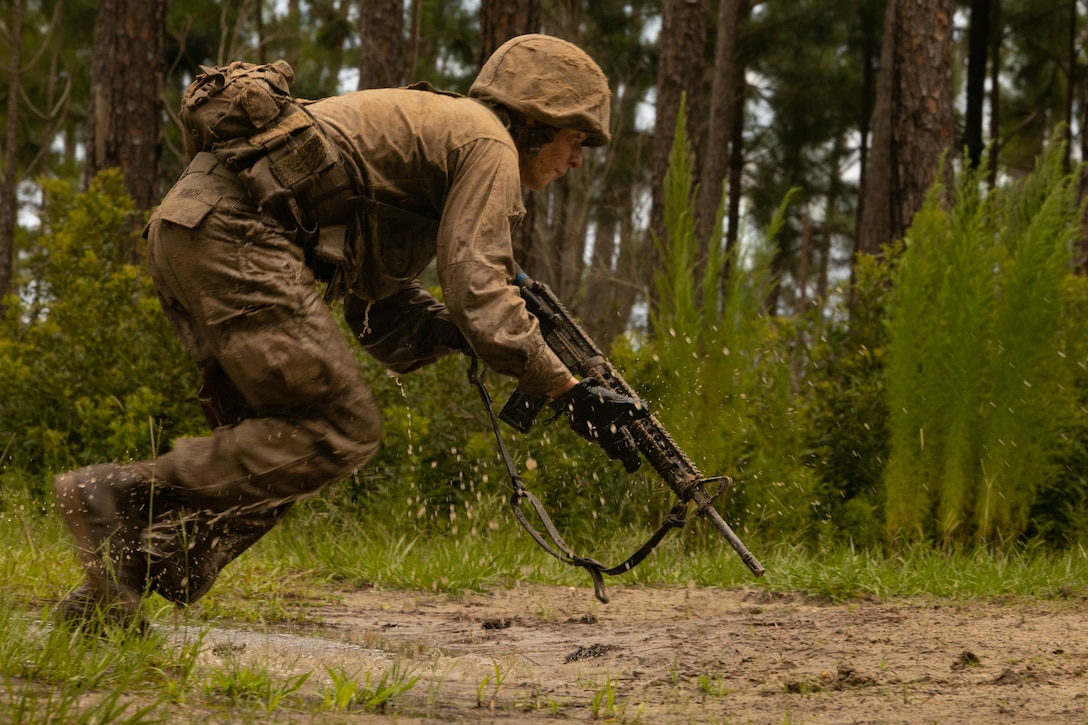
{"points": [[558, 547]]}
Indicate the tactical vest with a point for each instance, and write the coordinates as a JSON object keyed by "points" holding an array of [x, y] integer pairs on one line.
{"points": [[245, 115]]}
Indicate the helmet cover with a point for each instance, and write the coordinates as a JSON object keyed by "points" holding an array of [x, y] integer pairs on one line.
{"points": [[551, 80]]}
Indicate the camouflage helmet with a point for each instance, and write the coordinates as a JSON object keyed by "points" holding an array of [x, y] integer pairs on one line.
{"points": [[550, 80]]}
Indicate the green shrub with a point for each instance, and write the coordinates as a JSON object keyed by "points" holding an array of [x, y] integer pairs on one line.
{"points": [[90, 368], [844, 414], [1059, 514]]}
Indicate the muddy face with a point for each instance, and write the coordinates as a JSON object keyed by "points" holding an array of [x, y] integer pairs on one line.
{"points": [[552, 161]]}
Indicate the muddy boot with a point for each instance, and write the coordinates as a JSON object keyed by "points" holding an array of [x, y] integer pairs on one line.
{"points": [[189, 554], [91, 609], [101, 506]]}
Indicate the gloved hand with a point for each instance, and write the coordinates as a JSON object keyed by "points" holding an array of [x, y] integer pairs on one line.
{"points": [[600, 415]]}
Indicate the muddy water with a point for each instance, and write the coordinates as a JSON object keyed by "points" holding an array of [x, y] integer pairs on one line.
{"points": [[288, 653]]}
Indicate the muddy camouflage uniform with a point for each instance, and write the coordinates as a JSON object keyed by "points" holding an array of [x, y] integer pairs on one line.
{"points": [[362, 191]]}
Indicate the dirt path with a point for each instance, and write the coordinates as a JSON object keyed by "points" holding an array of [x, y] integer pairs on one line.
{"points": [[533, 654]]}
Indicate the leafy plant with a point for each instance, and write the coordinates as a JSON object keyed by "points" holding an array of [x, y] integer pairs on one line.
{"points": [[343, 691], [603, 706], [497, 681], [48, 673], [394, 682], [348, 692], [237, 682], [713, 685], [88, 364]]}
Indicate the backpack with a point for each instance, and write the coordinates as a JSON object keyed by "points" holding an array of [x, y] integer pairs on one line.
{"points": [[234, 102], [245, 116]]}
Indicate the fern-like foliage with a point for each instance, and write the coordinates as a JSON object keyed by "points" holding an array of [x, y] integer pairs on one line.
{"points": [[719, 378], [976, 370]]}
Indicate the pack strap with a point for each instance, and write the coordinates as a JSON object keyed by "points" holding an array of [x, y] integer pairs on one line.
{"points": [[557, 547]]}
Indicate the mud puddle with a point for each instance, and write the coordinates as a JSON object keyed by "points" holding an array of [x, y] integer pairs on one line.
{"points": [[533, 654]]}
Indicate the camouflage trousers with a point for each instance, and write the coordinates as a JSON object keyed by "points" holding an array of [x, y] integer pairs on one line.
{"points": [[281, 389]]}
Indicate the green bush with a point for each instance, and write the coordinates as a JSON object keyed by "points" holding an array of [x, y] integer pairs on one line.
{"points": [[844, 414], [1059, 514], [89, 366]]}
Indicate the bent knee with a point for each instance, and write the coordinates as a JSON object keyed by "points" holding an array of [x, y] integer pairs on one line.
{"points": [[358, 434]]}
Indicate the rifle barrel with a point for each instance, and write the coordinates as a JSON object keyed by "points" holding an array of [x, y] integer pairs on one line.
{"points": [[706, 509]]}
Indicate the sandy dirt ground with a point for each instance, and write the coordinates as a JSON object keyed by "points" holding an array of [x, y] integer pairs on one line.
{"points": [[538, 654]]}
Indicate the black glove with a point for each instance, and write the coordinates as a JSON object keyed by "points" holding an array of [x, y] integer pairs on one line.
{"points": [[600, 415]]}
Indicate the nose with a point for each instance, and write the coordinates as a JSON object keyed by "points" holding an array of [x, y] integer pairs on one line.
{"points": [[575, 159]]}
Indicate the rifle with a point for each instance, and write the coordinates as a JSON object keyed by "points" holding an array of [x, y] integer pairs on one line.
{"points": [[582, 356]]}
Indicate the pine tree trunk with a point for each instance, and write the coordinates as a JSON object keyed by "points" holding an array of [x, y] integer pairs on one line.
{"points": [[715, 152], [501, 20], [414, 41], [617, 265], [869, 52], [977, 54], [996, 33], [736, 155], [679, 76], [1070, 66], [8, 199], [124, 128], [381, 44], [912, 120], [1083, 261], [258, 19]]}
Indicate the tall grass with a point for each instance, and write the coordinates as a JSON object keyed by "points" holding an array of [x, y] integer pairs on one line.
{"points": [[58, 675], [717, 363], [977, 374], [319, 544]]}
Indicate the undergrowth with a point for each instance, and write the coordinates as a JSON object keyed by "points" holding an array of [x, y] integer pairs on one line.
{"points": [[330, 545]]}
